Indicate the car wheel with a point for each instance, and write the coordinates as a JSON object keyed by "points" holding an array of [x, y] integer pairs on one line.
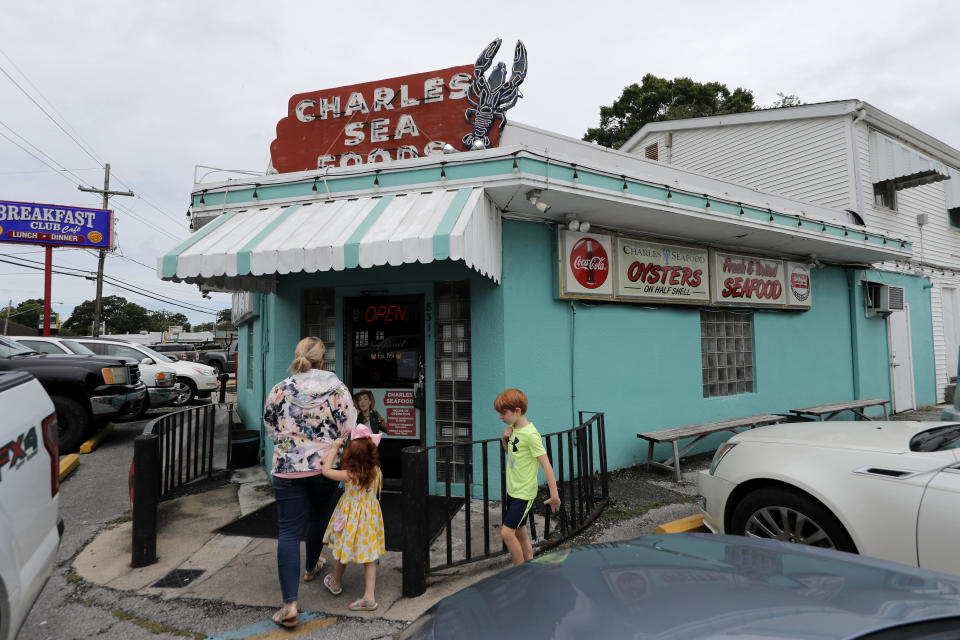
{"points": [[186, 391], [789, 515], [73, 422], [217, 368]]}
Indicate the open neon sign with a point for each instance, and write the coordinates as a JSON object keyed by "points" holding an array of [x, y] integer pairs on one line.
{"points": [[385, 312]]}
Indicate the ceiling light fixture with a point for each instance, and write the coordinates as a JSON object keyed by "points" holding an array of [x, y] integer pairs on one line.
{"points": [[534, 197]]}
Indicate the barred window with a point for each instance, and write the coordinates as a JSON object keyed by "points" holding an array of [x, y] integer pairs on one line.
{"points": [[726, 349], [249, 355]]}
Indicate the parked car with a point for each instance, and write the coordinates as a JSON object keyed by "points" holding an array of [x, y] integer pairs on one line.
{"points": [[160, 379], [179, 350], [194, 380], [953, 412], [30, 527], [883, 489], [698, 586], [220, 358], [84, 389]]}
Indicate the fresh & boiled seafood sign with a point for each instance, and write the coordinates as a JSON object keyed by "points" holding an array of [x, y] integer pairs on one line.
{"points": [[601, 266], [55, 225], [400, 118]]}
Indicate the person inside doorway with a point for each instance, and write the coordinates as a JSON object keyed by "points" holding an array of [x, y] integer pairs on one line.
{"points": [[366, 414]]}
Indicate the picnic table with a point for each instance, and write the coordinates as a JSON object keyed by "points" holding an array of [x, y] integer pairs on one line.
{"points": [[832, 410], [698, 432]]}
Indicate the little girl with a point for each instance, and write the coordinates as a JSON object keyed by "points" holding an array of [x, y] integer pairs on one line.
{"points": [[355, 532]]}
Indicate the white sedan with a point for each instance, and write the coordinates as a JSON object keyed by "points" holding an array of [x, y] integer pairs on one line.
{"points": [[889, 490]]}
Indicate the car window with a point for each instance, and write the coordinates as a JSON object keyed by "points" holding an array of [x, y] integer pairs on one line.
{"points": [[10, 347], [97, 347], [43, 347], [159, 357], [124, 351], [76, 347]]}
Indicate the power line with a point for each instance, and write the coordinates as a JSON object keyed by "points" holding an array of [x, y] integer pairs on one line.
{"points": [[40, 151]]}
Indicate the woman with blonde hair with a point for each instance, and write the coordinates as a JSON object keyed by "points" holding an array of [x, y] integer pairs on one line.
{"points": [[304, 416]]}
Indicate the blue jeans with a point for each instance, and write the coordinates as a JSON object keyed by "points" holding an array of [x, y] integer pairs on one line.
{"points": [[311, 499]]}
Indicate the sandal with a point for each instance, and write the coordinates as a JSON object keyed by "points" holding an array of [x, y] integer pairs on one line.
{"points": [[286, 616], [335, 589], [362, 604], [311, 575]]}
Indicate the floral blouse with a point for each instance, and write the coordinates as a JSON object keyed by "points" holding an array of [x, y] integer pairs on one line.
{"points": [[303, 415]]}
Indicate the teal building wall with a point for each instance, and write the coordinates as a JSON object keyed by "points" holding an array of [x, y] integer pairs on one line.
{"points": [[639, 364]]}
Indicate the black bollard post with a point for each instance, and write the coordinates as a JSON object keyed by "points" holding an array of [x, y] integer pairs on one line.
{"points": [[416, 552], [223, 386], [146, 496]]}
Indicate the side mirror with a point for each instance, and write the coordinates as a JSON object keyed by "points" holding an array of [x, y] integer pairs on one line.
{"points": [[147, 361]]}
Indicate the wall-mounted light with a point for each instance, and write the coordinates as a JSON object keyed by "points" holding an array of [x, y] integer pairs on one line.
{"points": [[202, 201], [575, 225], [534, 197], [449, 148], [625, 187], [576, 176], [256, 196], [478, 145], [314, 189]]}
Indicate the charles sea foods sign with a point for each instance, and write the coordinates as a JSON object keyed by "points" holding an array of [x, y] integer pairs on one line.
{"points": [[662, 272], [55, 225], [400, 118]]}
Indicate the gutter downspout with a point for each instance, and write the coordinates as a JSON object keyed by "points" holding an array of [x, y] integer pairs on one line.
{"points": [[573, 363], [852, 280], [859, 114]]}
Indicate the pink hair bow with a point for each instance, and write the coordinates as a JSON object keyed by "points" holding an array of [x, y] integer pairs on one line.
{"points": [[363, 431]]}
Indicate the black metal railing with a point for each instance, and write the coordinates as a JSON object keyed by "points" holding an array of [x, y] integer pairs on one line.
{"points": [[174, 450], [579, 460]]}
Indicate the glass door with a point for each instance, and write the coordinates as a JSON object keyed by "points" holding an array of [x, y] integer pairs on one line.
{"points": [[385, 371]]}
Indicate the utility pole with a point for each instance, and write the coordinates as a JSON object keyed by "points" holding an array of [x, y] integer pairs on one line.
{"points": [[7, 321], [103, 254]]}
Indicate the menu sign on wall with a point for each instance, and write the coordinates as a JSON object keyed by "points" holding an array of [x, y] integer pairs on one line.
{"points": [[751, 281], [663, 272], [585, 265]]}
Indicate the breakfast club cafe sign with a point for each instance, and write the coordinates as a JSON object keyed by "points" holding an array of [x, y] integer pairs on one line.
{"points": [[400, 118], [55, 225], [619, 268]]}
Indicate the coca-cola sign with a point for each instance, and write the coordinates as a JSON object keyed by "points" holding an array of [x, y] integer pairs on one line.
{"points": [[586, 268], [589, 263]]}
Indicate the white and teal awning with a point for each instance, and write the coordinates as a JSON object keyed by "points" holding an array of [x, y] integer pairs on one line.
{"points": [[246, 249]]}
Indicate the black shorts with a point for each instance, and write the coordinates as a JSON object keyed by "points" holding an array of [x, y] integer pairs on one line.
{"points": [[517, 512]]}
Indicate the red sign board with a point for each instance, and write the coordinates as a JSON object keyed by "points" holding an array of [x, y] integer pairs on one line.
{"points": [[395, 119]]}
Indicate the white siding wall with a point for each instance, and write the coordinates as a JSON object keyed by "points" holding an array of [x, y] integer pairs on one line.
{"points": [[939, 244], [804, 159]]}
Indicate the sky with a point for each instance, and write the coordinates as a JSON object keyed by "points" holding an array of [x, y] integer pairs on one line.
{"points": [[159, 89]]}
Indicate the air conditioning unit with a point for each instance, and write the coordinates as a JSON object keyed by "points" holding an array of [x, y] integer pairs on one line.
{"points": [[882, 299]]}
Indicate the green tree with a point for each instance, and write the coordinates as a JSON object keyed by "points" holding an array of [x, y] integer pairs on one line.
{"points": [[162, 320], [785, 100], [657, 99], [117, 314], [27, 313]]}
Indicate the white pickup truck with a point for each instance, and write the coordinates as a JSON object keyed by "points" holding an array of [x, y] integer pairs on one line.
{"points": [[30, 528]]}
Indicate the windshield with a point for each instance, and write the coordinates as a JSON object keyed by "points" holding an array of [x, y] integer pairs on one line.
{"points": [[157, 356], [937, 438], [78, 348], [9, 348]]}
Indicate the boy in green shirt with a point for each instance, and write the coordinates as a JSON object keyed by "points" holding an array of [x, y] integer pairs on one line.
{"points": [[524, 448]]}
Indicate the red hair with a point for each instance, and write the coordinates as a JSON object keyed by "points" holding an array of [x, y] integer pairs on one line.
{"points": [[360, 461], [511, 399]]}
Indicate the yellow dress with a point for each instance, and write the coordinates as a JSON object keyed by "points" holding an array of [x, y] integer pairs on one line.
{"points": [[361, 539]]}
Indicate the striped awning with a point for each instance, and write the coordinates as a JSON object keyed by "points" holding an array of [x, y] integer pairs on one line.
{"points": [[246, 249], [907, 167]]}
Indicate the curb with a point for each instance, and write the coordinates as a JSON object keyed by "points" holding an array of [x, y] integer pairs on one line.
{"points": [[97, 438], [68, 464], [683, 525]]}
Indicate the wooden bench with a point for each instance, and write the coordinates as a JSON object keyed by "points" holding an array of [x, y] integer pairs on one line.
{"points": [[832, 410], [698, 432]]}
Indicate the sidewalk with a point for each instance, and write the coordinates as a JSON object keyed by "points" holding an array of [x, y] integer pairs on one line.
{"points": [[242, 570]]}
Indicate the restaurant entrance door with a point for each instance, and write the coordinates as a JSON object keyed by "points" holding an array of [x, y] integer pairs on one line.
{"points": [[384, 370]]}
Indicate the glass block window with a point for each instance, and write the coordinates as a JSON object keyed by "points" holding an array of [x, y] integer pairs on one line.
{"points": [[726, 349], [454, 396], [320, 321]]}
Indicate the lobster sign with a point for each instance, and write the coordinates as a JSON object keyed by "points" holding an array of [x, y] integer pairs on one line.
{"points": [[492, 96]]}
